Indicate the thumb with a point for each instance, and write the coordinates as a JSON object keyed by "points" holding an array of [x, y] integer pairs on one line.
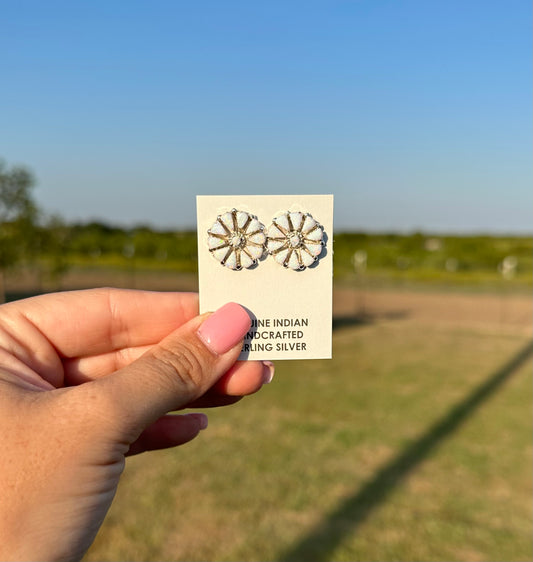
{"points": [[173, 373]]}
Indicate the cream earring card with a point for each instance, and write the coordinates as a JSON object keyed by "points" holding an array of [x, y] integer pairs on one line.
{"points": [[273, 254]]}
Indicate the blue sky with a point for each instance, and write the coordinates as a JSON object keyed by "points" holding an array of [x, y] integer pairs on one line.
{"points": [[415, 114]]}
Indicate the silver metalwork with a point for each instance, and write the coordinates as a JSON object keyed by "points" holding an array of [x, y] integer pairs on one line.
{"points": [[237, 240], [295, 240]]}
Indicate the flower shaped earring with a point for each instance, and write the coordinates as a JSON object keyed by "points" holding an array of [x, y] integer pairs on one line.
{"points": [[295, 240], [236, 240]]}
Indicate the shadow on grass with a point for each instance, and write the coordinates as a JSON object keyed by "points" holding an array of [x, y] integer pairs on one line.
{"points": [[18, 295], [363, 319], [322, 540], [183, 285]]}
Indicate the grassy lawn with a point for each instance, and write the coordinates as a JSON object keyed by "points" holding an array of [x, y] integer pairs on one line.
{"points": [[413, 443], [403, 447]]}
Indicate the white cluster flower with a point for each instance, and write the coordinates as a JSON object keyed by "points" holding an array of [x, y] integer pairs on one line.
{"points": [[295, 240], [237, 239]]}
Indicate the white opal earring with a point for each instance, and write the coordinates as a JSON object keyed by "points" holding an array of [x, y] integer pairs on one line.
{"points": [[295, 240], [236, 240]]}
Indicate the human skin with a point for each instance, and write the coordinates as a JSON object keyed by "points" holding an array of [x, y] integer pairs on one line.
{"points": [[87, 378]]}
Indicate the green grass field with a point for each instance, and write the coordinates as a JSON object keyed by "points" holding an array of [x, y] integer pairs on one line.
{"points": [[412, 443]]}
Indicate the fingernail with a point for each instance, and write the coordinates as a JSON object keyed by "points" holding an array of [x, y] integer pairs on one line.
{"points": [[225, 328], [202, 419], [268, 371]]}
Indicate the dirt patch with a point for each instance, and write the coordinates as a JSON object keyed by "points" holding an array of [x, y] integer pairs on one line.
{"points": [[503, 313]]}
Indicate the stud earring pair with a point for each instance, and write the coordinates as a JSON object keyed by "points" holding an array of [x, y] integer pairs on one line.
{"points": [[238, 240]]}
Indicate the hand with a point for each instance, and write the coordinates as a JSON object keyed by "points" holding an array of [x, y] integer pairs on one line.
{"points": [[86, 378]]}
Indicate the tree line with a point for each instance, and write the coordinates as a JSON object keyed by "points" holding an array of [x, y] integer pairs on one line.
{"points": [[29, 238]]}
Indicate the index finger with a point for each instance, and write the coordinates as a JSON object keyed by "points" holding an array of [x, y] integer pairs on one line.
{"points": [[95, 321]]}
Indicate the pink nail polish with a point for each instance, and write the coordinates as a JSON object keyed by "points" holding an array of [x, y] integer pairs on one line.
{"points": [[203, 422], [268, 372], [225, 328]]}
